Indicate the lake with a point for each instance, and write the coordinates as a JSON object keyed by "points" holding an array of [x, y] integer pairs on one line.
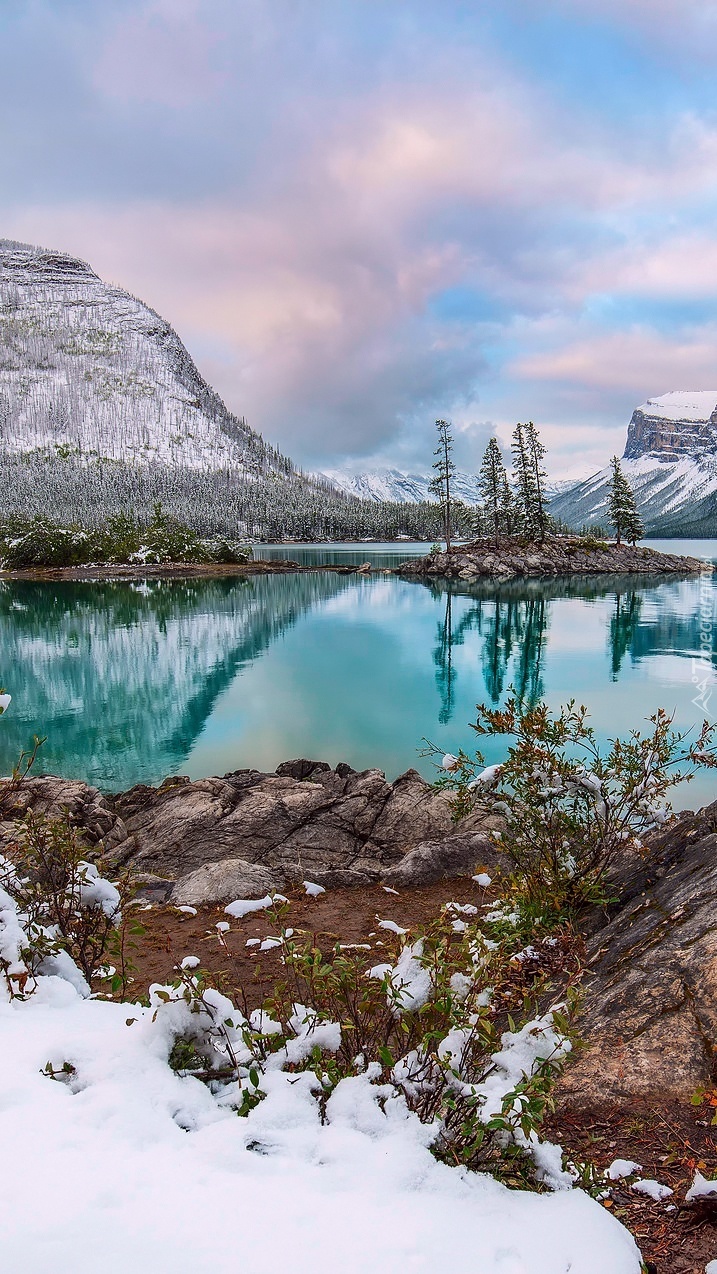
{"points": [[136, 680]]}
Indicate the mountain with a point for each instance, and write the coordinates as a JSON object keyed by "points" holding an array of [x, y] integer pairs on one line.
{"points": [[88, 369], [670, 460], [402, 488], [102, 410], [412, 488]]}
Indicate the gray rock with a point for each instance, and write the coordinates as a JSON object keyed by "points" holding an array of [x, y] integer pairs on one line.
{"points": [[650, 1016], [222, 882], [459, 855], [54, 797], [559, 555], [298, 823]]}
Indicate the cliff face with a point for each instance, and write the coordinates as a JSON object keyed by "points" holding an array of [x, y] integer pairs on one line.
{"points": [[88, 369], [676, 424], [670, 460]]}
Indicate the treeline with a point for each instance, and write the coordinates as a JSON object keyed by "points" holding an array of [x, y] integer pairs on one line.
{"points": [[219, 502]]}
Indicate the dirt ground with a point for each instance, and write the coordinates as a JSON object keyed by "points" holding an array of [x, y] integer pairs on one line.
{"points": [[669, 1139]]}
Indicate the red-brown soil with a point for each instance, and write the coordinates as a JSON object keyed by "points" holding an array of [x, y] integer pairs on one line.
{"points": [[670, 1139]]}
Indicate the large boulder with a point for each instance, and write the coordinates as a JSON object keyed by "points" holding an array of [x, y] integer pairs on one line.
{"points": [[53, 798], [224, 881], [650, 1015], [461, 854]]}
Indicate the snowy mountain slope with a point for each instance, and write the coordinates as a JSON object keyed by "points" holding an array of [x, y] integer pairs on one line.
{"points": [[85, 367], [411, 488], [670, 460], [402, 488]]}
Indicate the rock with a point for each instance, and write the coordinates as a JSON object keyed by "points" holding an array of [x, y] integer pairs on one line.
{"points": [[53, 797], [306, 820], [222, 882], [459, 855], [650, 1017], [364, 569], [559, 555]]}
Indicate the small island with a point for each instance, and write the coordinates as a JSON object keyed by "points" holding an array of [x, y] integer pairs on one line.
{"points": [[514, 557]]}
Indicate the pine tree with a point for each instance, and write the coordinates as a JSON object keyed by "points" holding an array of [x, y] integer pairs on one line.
{"points": [[440, 484], [492, 480], [529, 474], [622, 509], [524, 481], [536, 455], [509, 519]]}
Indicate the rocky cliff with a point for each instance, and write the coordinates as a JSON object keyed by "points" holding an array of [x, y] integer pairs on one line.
{"points": [[670, 459], [677, 424]]}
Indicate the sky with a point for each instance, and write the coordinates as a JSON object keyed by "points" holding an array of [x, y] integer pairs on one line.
{"points": [[363, 214]]}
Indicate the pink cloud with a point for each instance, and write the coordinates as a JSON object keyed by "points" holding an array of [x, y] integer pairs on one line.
{"points": [[638, 362], [164, 53]]}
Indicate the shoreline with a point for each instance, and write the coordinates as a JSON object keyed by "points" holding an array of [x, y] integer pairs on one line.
{"points": [[565, 557], [557, 557]]}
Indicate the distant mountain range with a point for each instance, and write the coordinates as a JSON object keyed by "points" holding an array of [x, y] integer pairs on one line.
{"points": [[410, 488], [670, 459]]}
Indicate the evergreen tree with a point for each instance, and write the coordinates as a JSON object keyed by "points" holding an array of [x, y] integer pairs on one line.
{"points": [[492, 480], [536, 455], [622, 509], [529, 474], [509, 519], [524, 482], [634, 529], [440, 484]]}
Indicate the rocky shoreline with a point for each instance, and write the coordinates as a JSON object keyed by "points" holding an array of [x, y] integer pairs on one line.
{"points": [[184, 570], [217, 838], [649, 1019], [558, 556]]}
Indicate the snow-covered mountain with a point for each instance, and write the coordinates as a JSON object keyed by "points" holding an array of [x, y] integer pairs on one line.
{"points": [[86, 368], [670, 460], [399, 487], [412, 488]]}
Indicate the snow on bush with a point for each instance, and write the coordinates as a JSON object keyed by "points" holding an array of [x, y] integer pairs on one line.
{"points": [[151, 1168]]}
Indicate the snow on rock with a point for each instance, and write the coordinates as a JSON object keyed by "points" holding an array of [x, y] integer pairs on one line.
{"points": [[150, 1170], [701, 1188], [653, 1189], [621, 1168]]}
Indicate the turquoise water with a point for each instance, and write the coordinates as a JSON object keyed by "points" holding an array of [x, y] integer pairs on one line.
{"points": [[379, 555], [134, 681]]}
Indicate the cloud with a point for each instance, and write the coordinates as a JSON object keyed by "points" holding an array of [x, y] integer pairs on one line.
{"points": [[162, 52], [296, 186], [639, 362]]}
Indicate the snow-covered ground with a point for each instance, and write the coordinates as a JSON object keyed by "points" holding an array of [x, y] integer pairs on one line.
{"points": [[129, 1167]]}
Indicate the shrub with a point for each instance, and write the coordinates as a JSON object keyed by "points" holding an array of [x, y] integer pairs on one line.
{"points": [[66, 912], [449, 1028], [569, 808], [226, 551], [45, 544]]}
